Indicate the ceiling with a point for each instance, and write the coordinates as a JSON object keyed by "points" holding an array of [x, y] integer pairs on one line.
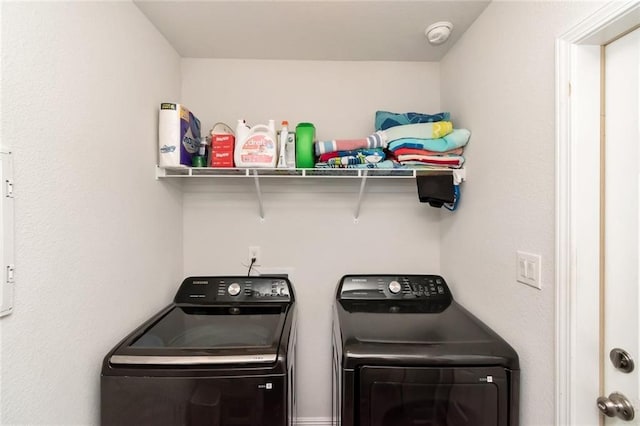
{"points": [[309, 30]]}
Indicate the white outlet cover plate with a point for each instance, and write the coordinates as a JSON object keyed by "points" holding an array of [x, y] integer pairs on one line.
{"points": [[254, 251], [528, 269]]}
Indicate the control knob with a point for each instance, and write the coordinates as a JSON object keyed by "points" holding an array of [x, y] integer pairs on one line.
{"points": [[395, 287], [234, 289]]}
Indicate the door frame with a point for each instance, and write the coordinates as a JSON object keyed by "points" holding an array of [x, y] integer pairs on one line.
{"points": [[578, 168]]}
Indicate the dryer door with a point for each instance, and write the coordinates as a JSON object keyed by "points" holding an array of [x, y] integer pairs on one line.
{"points": [[399, 396]]}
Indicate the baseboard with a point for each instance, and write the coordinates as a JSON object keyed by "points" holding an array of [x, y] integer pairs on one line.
{"points": [[314, 421]]}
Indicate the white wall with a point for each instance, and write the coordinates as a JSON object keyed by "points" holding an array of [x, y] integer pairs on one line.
{"points": [[499, 81], [96, 235], [98, 240], [340, 98], [309, 224]]}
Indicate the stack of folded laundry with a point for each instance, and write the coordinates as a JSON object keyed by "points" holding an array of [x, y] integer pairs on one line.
{"points": [[405, 140], [422, 140], [352, 153]]}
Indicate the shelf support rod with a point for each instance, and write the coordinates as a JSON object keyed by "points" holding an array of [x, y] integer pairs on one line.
{"points": [[362, 185], [259, 194]]}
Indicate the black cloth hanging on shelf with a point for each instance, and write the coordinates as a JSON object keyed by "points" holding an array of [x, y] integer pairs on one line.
{"points": [[435, 189]]}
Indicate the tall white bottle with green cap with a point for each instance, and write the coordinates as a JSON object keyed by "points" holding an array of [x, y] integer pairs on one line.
{"points": [[282, 150]]}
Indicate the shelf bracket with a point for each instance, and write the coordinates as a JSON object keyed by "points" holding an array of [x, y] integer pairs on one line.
{"points": [[256, 179], [363, 183], [160, 172]]}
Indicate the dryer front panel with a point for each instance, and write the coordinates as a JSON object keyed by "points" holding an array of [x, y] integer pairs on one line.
{"points": [[396, 396]]}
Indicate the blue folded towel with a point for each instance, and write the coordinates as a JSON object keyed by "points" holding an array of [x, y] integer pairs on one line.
{"points": [[386, 119], [456, 139]]}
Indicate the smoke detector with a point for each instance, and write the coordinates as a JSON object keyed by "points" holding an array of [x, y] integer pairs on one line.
{"points": [[439, 32]]}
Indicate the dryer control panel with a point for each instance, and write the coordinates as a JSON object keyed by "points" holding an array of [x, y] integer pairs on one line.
{"points": [[393, 287], [212, 290]]}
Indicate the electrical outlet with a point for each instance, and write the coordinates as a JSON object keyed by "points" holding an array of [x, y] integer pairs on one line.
{"points": [[254, 253]]}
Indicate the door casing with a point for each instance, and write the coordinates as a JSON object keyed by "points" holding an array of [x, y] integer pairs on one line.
{"points": [[578, 100]]}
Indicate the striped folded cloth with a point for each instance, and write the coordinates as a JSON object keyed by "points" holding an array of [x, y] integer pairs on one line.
{"points": [[375, 140]]}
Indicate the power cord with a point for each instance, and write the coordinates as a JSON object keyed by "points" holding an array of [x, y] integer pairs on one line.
{"points": [[253, 260]]}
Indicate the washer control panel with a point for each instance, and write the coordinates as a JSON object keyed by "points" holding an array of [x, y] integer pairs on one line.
{"points": [[204, 290], [380, 287]]}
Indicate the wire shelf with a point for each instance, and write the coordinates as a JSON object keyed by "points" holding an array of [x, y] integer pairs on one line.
{"points": [[257, 174]]}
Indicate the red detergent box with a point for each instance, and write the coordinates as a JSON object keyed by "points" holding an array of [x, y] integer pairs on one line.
{"points": [[222, 158], [222, 146], [223, 141]]}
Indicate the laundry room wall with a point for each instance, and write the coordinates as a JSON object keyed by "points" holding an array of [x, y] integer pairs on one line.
{"points": [[499, 81], [98, 242], [309, 223], [339, 97]]}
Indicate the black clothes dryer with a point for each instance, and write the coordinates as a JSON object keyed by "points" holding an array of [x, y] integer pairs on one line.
{"points": [[221, 354], [405, 353]]}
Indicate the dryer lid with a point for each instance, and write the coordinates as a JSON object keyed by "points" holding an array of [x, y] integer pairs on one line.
{"points": [[404, 323], [450, 337]]}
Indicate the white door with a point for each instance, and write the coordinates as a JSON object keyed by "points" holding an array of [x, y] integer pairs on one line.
{"points": [[621, 326]]}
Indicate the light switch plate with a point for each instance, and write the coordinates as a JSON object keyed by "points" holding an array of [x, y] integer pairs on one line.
{"points": [[528, 269]]}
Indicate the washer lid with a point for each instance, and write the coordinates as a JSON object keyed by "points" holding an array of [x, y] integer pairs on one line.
{"points": [[207, 335]]}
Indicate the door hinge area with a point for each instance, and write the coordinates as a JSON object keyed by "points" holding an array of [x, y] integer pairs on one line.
{"points": [[8, 188], [11, 273]]}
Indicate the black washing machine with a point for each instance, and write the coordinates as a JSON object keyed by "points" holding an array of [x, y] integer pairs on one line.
{"points": [[221, 354], [405, 353]]}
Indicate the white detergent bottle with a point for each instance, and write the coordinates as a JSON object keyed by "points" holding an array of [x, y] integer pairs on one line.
{"points": [[284, 135], [242, 129], [257, 146]]}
